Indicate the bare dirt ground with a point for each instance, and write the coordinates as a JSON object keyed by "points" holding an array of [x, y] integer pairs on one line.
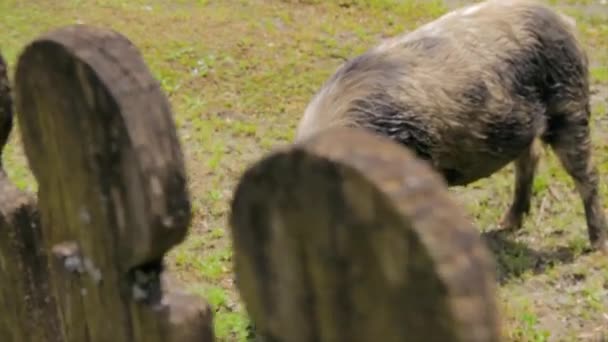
{"points": [[239, 74]]}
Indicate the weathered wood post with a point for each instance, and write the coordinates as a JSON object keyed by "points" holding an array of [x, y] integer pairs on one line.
{"points": [[348, 237], [6, 106], [27, 310], [100, 139]]}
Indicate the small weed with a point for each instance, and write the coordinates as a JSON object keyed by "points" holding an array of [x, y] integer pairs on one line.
{"points": [[215, 264], [232, 326], [529, 330]]}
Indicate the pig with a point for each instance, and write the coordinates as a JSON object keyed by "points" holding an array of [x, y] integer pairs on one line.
{"points": [[472, 91]]}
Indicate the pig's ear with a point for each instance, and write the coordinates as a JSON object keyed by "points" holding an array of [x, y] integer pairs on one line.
{"points": [[6, 106]]}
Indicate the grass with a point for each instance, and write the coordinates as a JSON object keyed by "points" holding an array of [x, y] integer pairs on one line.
{"points": [[239, 74]]}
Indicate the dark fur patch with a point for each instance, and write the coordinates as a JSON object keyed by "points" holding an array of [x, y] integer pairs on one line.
{"points": [[564, 64], [380, 113], [508, 136], [515, 128], [451, 176], [476, 95]]}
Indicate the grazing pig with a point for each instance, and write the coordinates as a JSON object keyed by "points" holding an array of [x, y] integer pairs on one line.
{"points": [[472, 91]]}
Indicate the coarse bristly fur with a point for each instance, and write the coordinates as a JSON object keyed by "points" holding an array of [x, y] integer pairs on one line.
{"points": [[470, 92]]}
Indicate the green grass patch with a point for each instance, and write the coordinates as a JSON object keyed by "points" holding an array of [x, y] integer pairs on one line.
{"points": [[239, 75]]}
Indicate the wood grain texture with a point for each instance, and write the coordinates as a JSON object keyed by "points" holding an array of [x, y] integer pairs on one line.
{"points": [[27, 309], [100, 139], [348, 237]]}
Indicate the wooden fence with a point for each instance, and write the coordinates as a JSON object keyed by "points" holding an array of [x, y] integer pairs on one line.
{"points": [[346, 237], [83, 260]]}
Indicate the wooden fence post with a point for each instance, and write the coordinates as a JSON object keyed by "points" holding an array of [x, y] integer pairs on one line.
{"points": [[348, 237], [27, 310], [100, 139]]}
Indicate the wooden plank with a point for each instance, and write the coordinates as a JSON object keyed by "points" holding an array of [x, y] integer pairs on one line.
{"points": [[348, 237], [27, 311], [100, 139]]}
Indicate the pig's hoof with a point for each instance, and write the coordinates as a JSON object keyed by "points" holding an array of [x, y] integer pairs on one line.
{"points": [[510, 221], [600, 244]]}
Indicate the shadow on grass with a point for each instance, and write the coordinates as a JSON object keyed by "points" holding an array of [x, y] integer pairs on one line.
{"points": [[515, 258]]}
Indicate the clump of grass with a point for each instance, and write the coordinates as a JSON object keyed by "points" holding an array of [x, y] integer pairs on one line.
{"points": [[528, 329], [600, 74]]}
